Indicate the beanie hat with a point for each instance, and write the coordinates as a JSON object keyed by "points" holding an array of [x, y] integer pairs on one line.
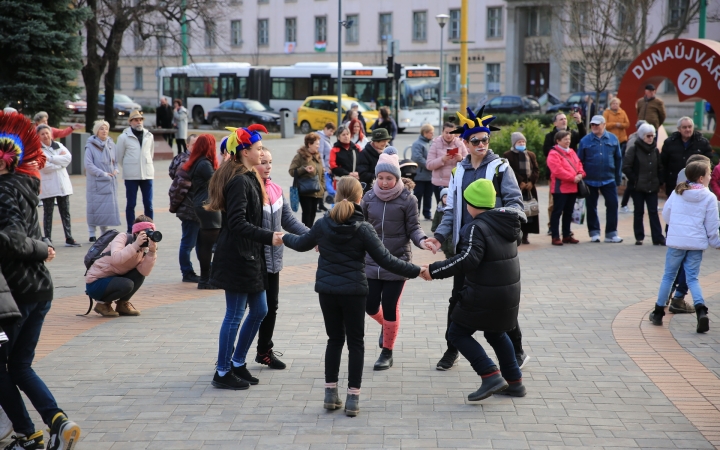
{"points": [[517, 136], [388, 162], [444, 192], [480, 194], [645, 129]]}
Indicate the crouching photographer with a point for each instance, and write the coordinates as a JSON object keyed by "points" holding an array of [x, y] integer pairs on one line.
{"points": [[120, 271]]}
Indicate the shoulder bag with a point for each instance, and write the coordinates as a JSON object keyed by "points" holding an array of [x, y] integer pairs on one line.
{"points": [[582, 188], [305, 185]]}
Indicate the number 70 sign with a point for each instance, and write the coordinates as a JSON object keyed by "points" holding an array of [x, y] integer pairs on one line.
{"points": [[689, 81]]}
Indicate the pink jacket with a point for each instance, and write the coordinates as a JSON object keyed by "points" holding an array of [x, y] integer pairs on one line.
{"points": [[715, 181], [441, 169], [122, 260], [562, 173]]}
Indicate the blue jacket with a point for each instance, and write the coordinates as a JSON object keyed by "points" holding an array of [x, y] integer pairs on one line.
{"points": [[601, 159]]}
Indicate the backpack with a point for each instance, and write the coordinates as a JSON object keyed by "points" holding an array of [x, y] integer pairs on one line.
{"points": [[97, 251]]}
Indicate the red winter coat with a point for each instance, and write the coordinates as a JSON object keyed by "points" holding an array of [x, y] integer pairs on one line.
{"points": [[562, 173], [715, 181]]}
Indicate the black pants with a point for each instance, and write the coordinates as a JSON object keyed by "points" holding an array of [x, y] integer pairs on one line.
{"points": [[122, 287], [436, 191], [309, 209], [423, 192], [49, 208], [640, 199], [344, 315], [515, 334], [206, 241], [563, 205], [387, 293], [170, 137], [267, 327], [181, 146]]}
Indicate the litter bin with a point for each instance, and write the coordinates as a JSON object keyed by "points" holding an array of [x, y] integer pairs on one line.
{"points": [[287, 125], [75, 142]]}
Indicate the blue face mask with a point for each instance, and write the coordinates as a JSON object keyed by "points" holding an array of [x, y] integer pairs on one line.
{"points": [[520, 148]]}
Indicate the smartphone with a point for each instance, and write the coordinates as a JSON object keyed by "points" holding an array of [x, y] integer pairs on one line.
{"points": [[452, 151]]}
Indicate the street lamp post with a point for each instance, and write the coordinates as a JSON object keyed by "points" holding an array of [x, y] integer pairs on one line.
{"points": [[341, 24], [442, 19]]}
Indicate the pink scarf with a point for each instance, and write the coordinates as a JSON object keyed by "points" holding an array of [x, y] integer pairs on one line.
{"points": [[389, 194], [274, 192]]}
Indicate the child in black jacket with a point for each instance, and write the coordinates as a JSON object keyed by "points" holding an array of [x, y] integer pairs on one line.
{"points": [[342, 238], [490, 297]]}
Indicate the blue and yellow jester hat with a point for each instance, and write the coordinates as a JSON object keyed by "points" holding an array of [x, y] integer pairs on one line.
{"points": [[474, 124], [242, 138]]}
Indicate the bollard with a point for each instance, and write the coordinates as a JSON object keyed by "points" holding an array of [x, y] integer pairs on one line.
{"points": [[287, 125], [77, 143]]}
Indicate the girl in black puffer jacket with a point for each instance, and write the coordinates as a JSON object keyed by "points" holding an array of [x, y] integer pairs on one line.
{"points": [[343, 237]]}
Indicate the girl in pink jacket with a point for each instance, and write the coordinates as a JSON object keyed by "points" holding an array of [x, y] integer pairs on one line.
{"points": [[566, 171], [444, 154]]}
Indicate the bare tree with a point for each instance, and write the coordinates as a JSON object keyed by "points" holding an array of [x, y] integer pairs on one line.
{"points": [[106, 28]]}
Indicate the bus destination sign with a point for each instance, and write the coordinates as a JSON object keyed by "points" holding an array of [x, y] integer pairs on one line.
{"points": [[359, 73], [422, 73]]}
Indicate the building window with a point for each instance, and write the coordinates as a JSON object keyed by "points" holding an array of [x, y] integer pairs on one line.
{"points": [[262, 32], [625, 19], [138, 79], [138, 42], [419, 25], [669, 87], [236, 33], [677, 9], [578, 19], [263, 1], [352, 34], [538, 21], [453, 79], [118, 85], [385, 26], [162, 33], [209, 34], [493, 78], [494, 22], [290, 29], [577, 77], [321, 29], [454, 29]]}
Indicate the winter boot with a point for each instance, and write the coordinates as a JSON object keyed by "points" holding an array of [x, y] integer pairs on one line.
{"points": [[126, 309], [105, 310], [678, 306], [332, 399], [385, 361], [352, 405], [514, 389], [703, 325], [491, 383], [657, 315]]}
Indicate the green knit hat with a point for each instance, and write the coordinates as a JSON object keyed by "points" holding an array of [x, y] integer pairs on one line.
{"points": [[480, 194]]}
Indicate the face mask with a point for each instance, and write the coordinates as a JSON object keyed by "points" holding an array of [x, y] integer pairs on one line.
{"points": [[520, 148]]}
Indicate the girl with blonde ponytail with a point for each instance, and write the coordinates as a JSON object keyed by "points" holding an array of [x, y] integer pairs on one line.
{"points": [[343, 237]]}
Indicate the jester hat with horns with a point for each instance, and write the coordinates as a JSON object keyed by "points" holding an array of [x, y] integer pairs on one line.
{"points": [[18, 139], [242, 138], [474, 124]]}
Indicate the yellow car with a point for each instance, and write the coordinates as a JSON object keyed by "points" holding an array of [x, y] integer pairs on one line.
{"points": [[318, 110]]}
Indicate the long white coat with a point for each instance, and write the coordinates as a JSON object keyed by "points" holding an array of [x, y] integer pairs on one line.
{"points": [[180, 117], [55, 181]]}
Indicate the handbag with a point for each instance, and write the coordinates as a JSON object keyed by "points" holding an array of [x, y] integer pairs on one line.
{"points": [[294, 198], [532, 207], [582, 188], [307, 186]]}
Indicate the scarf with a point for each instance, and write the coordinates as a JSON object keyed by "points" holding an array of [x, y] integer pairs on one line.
{"points": [[642, 145], [523, 162], [389, 194], [695, 185], [566, 150]]}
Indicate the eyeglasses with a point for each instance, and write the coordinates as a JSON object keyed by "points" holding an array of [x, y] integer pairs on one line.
{"points": [[652, 136], [476, 141]]}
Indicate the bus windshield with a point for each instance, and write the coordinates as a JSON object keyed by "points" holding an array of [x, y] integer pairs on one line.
{"points": [[420, 93]]}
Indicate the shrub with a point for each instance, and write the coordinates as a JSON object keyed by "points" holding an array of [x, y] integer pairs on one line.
{"points": [[534, 133]]}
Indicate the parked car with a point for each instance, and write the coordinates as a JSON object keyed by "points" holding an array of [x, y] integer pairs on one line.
{"points": [[122, 104], [318, 110], [76, 105], [512, 104], [242, 112], [577, 100]]}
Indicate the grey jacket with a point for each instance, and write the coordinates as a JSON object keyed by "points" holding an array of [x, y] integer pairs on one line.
{"points": [[396, 223], [277, 217], [101, 190], [180, 117], [419, 155], [510, 195]]}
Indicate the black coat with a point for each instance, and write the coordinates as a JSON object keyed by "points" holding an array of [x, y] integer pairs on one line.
{"points": [[164, 116], [341, 160], [575, 137], [239, 262], [22, 259], [674, 155], [366, 165], [9, 311], [488, 256], [643, 167], [533, 223], [341, 265], [200, 174]]}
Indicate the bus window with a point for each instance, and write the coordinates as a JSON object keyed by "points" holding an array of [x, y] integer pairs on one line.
{"points": [[418, 93], [282, 89], [364, 90], [167, 91], [242, 88], [301, 88], [203, 87]]}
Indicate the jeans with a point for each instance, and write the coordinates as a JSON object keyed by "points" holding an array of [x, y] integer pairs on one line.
{"points": [[344, 315], [690, 261], [651, 199], [188, 241], [563, 205], [121, 287], [462, 337], [49, 208], [131, 188], [235, 309], [609, 193], [423, 192], [16, 372], [267, 327]]}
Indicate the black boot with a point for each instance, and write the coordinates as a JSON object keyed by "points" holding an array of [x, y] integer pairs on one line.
{"points": [[385, 361], [490, 385], [514, 389], [352, 405], [332, 399], [204, 283], [380, 340], [657, 315], [703, 325]]}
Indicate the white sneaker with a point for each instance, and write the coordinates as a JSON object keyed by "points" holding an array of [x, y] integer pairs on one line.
{"points": [[594, 238], [624, 210], [6, 427], [612, 240]]}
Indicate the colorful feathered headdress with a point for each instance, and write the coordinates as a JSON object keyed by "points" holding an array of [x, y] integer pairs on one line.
{"points": [[474, 123], [19, 139], [242, 138]]}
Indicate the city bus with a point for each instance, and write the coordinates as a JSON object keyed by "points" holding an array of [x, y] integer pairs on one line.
{"points": [[203, 86]]}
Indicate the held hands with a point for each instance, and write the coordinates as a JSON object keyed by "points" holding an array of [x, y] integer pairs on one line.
{"points": [[425, 273], [428, 245], [432, 241], [277, 238], [51, 254]]}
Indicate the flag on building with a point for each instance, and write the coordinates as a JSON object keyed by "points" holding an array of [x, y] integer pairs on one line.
{"points": [[320, 46], [289, 47]]}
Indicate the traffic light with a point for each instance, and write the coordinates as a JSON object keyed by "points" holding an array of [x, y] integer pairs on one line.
{"points": [[397, 71], [390, 61]]}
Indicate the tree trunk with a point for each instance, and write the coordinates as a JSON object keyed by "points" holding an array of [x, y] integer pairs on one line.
{"points": [[93, 68], [112, 55]]}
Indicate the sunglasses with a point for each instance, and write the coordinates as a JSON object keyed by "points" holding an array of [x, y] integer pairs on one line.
{"points": [[476, 141], [650, 136], [595, 124]]}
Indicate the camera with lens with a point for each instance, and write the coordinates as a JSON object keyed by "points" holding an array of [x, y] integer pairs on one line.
{"points": [[152, 235]]}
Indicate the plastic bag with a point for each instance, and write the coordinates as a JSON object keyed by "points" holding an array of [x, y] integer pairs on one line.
{"points": [[294, 199], [578, 215]]}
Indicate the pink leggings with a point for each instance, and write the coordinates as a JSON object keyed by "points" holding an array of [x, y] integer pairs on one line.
{"points": [[383, 305]]}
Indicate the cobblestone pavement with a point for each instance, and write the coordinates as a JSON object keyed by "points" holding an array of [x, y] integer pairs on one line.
{"points": [[594, 381]]}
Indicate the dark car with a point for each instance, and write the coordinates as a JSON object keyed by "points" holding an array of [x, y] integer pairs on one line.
{"points": [[577, 100], [242, 112], [512, 104], [122, 104]]}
